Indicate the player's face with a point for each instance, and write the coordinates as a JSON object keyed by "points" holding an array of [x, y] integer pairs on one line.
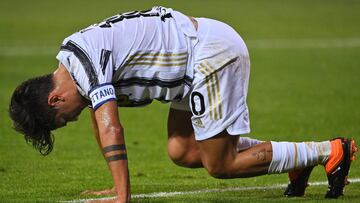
{"points": [[65, 115], [69, 110]]}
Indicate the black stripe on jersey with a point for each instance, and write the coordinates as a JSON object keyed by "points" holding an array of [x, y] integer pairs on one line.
{"points": [[129, 15], [84, 60], [104, 59], [188, 80], [133, 14], [143, 102], [148, 82], [133, 103], [168, 15]]}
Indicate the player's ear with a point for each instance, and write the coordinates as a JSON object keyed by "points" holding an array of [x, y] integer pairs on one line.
{"points": [[55, 99]]}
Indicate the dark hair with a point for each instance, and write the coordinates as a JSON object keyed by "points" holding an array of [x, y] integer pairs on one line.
{"points": [[31, 114]]}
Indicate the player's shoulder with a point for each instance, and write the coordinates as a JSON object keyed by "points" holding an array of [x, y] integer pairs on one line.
{"points": [[73, 40]]}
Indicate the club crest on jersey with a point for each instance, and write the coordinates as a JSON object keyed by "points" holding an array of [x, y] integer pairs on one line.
{"points": [[102, 94]]}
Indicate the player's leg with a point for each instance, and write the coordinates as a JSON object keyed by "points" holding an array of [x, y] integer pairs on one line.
{"points": [[336, 167], [298, 179], [278, 157], [182, 147], [220, 114], [221, 160]]}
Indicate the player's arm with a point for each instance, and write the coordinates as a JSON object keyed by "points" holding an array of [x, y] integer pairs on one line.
{"points": [[112, 142], [110, 191], [95, 128]]}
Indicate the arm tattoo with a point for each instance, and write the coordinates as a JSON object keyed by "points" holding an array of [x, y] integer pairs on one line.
{"points": [[111, 148], [116, 157]]}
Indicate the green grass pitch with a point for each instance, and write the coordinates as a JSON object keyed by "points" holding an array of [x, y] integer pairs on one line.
{"points": [[305, 85]]}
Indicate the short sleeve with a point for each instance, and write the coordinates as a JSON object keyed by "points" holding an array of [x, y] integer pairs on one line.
{"points": [[90, 68]]}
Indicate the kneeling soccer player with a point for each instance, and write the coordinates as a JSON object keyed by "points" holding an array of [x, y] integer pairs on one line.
{"points": [[201, 66]]}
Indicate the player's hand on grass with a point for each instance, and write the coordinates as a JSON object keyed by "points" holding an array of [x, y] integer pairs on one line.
{"points": [[110, 191]]}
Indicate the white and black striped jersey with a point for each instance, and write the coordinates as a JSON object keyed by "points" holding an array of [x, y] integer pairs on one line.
{"points": [[133, 57]]}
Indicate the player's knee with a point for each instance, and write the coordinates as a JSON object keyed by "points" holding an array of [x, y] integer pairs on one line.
{"points": [[183, 156], [175, 155], [178, 159]]}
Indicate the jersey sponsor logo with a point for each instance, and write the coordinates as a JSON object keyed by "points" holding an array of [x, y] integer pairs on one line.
{"points": [[101, 95]]}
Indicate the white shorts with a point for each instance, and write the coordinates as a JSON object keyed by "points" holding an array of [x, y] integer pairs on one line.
{"points": [[217, 98]]}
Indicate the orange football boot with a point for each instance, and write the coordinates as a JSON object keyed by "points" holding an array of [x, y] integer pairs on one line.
{"points": [[338, 165]]}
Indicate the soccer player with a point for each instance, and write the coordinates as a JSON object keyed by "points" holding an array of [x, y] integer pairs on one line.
{"points": [[199, 65]]}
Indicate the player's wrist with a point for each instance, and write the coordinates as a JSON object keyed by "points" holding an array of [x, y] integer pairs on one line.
{"points": [[123, 196]]}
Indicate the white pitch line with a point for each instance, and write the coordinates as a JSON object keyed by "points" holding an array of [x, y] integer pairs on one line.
{"points": [[176, 193], [310, 43]]}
